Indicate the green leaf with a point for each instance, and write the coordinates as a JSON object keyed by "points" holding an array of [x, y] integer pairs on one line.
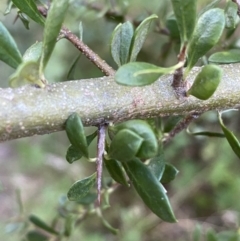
{"points": [[211, 235], [41, 224], [121, 43], [75, 133], [125, 145], [207, 33], [231, 15], [149, 189], [74, 154], [24, 18], [206, 82], [88, 199], [231, 138], [225, 57], [206, 133], [169, 174], [172, 121], [172, 26], [81, 188], [140, 36], [209, 6], [36, 236], [9, 52], [68, 225], [140, 73], [149, 147], [33, 53], [185, 12], [30, 8], [71, 72], [26, 73], [53, 25], [8, 8], [157, 164], [115, 170]]}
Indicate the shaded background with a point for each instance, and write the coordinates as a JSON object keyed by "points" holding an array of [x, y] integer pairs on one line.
{"points": [[207, 189]]}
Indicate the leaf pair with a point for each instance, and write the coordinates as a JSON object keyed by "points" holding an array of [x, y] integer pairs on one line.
{"points": [[164, 172], [134, 138], [79, 142], [200, 36], [10, 54], [149, 189], [126, 44], [207, 33]]}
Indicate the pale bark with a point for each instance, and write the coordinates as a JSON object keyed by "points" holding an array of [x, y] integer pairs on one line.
{"points": [[28, 110]]}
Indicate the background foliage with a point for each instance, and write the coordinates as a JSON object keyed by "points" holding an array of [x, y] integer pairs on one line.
{"points": [[206, 190]]}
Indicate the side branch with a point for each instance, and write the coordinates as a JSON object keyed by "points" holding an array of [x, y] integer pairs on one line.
{"points": [[92, 56], [28, 110]]}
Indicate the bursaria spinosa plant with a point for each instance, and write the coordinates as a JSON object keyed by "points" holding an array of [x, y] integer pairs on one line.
{"points": [[131, 140]]}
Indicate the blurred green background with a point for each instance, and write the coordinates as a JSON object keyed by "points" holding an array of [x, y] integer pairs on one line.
{"points": [[207, 189]]}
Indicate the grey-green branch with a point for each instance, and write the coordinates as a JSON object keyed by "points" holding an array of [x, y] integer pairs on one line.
{"points": [[28, 110]]}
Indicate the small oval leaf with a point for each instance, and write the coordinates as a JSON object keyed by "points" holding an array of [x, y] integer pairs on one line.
{"points": [[231, 15], [206, 82], [125, 145], [81, 188], [30, 8], [149, 189], [26, 73], [24, 18], [169, 174], [157, 164], [185, 12], [9, 52], [172, 26], [115, 170], [36, 236], [171, 122], [74, 154], [149, 147], [88, 199], [140, 36], [231, 138], [41, 224], [140, 73], [207, 33], [33, 53], [52, 27], [225, 57], [75, 133], [121, 43]]}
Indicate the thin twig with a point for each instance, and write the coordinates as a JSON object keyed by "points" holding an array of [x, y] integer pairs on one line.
{"points": [[100, 151], [183, 124], [178, 83], [89, 53]]}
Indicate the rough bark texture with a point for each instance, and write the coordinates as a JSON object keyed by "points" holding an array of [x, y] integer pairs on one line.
{"points": [[28, 110]]}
